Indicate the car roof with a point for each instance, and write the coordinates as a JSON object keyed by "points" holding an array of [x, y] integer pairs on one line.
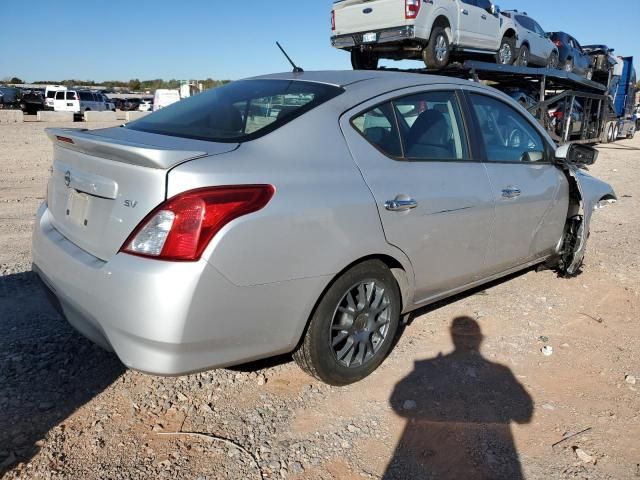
{"points": [[349, 78]]}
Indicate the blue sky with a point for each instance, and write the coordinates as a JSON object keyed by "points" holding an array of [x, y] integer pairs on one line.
{"points": [[111, 40]]}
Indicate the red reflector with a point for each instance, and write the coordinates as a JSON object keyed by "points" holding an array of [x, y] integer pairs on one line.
{"points": [[411, 9], [64, 139], [198, 216]]}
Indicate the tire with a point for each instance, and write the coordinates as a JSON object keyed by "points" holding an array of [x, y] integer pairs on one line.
{"points": [[610, 131], [616, 132], [341, 356], [589, 74], [523, 57], [437, 53], [553, 61], [364, 60], [506, 53], [568, 66]]}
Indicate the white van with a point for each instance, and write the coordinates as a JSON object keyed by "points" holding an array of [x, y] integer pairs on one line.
{"points": [[165, 97], [78, 101], [50, 93]]}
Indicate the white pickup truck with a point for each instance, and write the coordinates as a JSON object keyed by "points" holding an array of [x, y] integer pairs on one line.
{"points": [[431, 30]]}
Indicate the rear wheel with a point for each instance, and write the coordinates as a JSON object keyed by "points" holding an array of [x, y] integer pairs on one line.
{"points": [[523, 57], [364, 60], [438, 51], [506, 53], [353, 326], [610, 131]]}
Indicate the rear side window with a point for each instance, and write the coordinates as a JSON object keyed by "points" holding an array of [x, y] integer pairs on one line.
{"points": [[60, 95], [378, 127], [71, 96], [86, 96], [238, 112], [431, 126], [508, 136], [51, 94]]}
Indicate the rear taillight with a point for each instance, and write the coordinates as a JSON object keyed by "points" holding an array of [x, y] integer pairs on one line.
{"points": [[559, 114], [333, 20], [411, 9], [181, 228], [558, 43]]}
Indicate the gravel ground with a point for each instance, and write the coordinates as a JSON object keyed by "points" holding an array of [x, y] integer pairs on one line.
{"points": [[444, 405]]}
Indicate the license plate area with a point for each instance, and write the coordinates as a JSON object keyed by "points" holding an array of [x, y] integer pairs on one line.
{"points": [[77, 209], [370, 37]]}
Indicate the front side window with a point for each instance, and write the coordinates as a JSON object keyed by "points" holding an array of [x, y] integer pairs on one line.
{"points": [[431, 126], [238, 112], [484, 4], [60, 95], [508, 136], [378, 127]]}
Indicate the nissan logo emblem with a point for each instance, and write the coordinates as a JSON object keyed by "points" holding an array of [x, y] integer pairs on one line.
{"points": [[67, 178]]}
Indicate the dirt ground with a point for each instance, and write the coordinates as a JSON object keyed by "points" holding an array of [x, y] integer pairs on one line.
{"points": [[466, 391]]}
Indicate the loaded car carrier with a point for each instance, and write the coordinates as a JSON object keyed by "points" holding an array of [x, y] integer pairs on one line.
{"points": [[606, 102]]}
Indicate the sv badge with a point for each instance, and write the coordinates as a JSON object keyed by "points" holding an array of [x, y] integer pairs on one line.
{"points": [[130, 203]]}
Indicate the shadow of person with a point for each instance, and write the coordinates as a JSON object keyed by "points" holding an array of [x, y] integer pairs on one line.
{"points": [[459, 408], [47, 370]]}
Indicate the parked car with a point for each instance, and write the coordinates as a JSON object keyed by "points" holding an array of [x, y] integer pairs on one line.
{"points": [[78, 101], [119, 103], [534, 45], [525, 98], [109, 105], [229, 238], [9, 98], [572, 58], [49, 95], [131, 104], [409, 29], [602, 58], [32, 102], [146, 106]]}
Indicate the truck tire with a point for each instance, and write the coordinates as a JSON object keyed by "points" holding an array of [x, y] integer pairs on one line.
{"points": [[364, 60], [610, 130], [438, 51], [506, 54], [568, 65]]}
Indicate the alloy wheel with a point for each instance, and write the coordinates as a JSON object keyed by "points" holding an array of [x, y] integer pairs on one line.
{"points": [[506, 54], [360, 323], [441, 48]]}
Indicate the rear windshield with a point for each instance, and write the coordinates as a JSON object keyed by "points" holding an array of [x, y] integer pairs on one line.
{"points": [[238, 112]]}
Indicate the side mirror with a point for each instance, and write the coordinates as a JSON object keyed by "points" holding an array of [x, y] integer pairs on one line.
{"points": [[578, 155], [494, 9]]}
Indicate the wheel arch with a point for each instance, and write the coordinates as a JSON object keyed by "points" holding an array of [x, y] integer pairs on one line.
{"points": [[442, 21]]}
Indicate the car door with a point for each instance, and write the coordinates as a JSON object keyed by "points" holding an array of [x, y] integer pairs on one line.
{"points": [[468, 24], [530, 192], [581, 59], [434, 201], [488, 26], [544, 46]]}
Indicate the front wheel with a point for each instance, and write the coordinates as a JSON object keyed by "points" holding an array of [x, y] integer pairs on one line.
{"points": [[438, 51], [553, 60], [364, 60], [353, 326], [568, 66], [506, 53]]}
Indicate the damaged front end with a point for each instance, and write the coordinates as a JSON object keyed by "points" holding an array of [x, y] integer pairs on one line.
{"points": [[586, 194]]}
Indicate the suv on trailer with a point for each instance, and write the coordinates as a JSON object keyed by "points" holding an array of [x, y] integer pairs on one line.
{"points": [[572, 57], [534, 45], [414, 29]]}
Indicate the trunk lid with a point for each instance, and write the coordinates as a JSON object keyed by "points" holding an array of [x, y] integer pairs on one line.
{"points": [[361, 16], [105, 182]]}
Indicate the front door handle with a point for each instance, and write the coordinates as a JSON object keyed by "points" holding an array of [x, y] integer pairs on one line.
{"points": [[465, 11], [511, 192], [484, 17], [399, 205]]}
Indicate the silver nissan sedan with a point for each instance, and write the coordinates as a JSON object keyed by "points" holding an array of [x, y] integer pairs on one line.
{"points": [[302, 212]]}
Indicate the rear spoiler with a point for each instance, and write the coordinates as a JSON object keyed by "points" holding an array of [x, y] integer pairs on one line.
{"points": [[81, 140]]}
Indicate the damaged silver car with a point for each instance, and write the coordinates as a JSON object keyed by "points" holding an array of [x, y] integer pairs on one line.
{"points": [[304, 213]]}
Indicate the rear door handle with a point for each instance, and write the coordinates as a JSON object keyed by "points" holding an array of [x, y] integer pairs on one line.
{"points": [[465, 11], [400, 205], [484, 17], [511, 192]]}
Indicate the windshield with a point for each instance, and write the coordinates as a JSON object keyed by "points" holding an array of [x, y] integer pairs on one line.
{"points": [[238, 112]]}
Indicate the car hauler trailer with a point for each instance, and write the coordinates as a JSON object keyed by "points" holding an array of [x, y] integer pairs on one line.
{"points": [[606, 106]]}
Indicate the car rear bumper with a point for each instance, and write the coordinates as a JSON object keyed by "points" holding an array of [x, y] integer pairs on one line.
{"points": [[169, 318], [387, 35]]}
